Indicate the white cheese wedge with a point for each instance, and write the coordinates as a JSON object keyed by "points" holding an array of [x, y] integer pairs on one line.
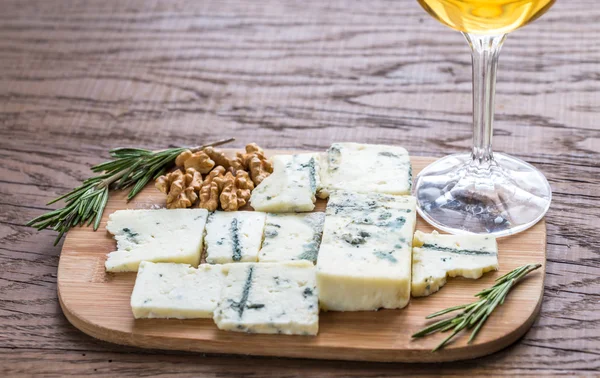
{"points": [[155, 235], [364, 260], [167, 290], [292, 237], [437, 256], [269, 298], [366, 168], [291, 187], [234, 236]]}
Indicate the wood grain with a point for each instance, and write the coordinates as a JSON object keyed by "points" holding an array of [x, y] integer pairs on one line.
{"points": [[364, 335], [78, 78]]}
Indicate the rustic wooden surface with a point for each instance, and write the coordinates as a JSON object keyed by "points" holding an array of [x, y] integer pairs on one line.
{"points": [[77, 78], [363, 335]]}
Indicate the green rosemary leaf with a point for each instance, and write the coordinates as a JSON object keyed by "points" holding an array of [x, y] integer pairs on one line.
{"points": [[43, 217], [138, 186], [435, 327], [112, 165], [161, 160], [475, 314], [90, 192], [87, 211], [446, 340], [442, 312], [81, 207], [128, 151], [75, 220], [100, 209], [452, 324], [42, 225], [73, 192], [479, 314], [60, 235], [122, 180], [135, 177], [159, 173], [68, 211]]}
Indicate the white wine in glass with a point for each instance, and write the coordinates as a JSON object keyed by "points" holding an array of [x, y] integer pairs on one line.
{"points": [[483, 192], [486, 16]]}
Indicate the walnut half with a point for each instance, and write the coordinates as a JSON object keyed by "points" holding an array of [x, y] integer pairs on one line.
{"points": [[255, 162], [236, 190], [211, 188], [181, 188], [218, 157], [200, 161]]}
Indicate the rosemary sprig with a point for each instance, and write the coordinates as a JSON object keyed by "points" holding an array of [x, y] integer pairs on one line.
{"points": [[130, 167], [475, 314]]}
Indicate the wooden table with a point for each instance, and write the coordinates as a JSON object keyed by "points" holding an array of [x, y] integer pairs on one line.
{"points": [[77, 78]]}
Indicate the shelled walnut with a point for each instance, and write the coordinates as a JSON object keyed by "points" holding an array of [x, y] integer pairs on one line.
{"points": [[199, 161], [218, 157], [222, 187], [255, 162], [181, 188], [211, 189], [236, 190]]}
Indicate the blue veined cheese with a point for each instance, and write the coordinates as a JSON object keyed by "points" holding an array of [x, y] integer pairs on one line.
{"points": [[364, 260], [161, 235], [234, 236], [167, 290], [437, 256], [366, 168], [269, 298], [291, 187], [292, 237]]}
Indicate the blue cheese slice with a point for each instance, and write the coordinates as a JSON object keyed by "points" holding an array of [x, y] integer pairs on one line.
{"points": [[269, 298], [292, 237], [366, 168], [437, 256], [291, 187], [155, 235], [364, 260], [167, 290], [234, 236]]}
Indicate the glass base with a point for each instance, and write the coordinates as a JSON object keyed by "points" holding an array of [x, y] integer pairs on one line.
{"points": [[459, 195]]}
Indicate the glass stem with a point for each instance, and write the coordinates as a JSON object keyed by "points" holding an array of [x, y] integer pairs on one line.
{"points": [[485, 50]]}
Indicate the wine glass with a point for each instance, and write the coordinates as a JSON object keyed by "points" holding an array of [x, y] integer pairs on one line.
{"points": [[483, 192]]}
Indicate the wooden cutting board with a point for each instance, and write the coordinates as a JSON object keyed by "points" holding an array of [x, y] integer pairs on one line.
{"points": [[97, 303]]}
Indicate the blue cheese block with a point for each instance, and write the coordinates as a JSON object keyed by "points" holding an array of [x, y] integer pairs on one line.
{"points": [[269, 298], [291, 187], [155, 235], [292, 237], [167, 290], [437, 256], [366, 168], [234, 236], [364, 260]]}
